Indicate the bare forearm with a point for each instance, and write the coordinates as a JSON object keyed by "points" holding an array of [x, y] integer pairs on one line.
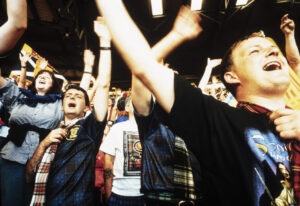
{"points": [[292, 52], [103, 83], [12, 30], [22, 81], [124, 26], [86, 77], [166, 45], [108, 178]]}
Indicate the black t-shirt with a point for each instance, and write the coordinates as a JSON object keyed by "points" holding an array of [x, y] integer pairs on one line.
{"points": [[238, 151]]}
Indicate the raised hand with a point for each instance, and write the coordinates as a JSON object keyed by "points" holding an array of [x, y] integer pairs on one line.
{"points": [[43, 63], [88, 58], [24, 58], [287, 123], [187, 23], [287, 25], [101, 29]]}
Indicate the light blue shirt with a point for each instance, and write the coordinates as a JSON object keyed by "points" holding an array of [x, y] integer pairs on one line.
{"points": [[43, 115]]}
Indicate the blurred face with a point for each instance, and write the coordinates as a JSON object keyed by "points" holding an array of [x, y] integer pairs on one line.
{"points": [[43, 83], [259, 67], [74, 104]]}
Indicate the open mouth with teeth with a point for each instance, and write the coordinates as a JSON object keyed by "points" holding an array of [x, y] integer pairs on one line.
{"points": [[42, 82], [71, 105], [271, 66]]}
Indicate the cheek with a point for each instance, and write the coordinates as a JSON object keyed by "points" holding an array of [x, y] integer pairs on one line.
{"points": [[50, 82]]}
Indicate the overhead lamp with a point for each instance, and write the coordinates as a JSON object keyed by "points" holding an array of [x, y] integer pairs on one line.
{"points": [[157, 8], [196, 5], [241, 2]]}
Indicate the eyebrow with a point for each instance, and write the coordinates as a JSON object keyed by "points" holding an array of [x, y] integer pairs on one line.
{"points": [[75, 93]]}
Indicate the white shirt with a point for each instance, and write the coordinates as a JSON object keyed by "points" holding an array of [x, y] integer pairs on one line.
{"points": [[123, 143]]}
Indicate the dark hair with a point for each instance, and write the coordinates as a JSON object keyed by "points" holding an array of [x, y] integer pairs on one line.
{"points": [[226, 62], [54, 89], [77, 87], [121, 104]]}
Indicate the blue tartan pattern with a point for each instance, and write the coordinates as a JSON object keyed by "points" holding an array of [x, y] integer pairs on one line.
{"points": [[118, 200]]}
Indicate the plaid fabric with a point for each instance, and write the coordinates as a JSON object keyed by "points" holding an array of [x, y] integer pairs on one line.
{"points": [[253, 108], [39, 191], [183, 176], [292, 146]]}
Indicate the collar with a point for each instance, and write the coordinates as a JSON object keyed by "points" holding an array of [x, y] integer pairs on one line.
{"points": [[254, 108], [70, 124]]}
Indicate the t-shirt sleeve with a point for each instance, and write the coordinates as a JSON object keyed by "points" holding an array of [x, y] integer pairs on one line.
{"points": [[108, 143], [147, 124]]}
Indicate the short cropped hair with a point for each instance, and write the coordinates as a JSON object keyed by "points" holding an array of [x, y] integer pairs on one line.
{"points": [[226, 62], [77, 87]]}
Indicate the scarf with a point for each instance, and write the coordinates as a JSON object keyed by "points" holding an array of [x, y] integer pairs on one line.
{"points": [[292, 146], [32, 99], [40, 183], [39, 191], [183, 175]]}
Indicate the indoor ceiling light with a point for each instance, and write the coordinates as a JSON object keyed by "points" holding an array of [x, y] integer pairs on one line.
{"points": [[196, 5], [241, 2], [157, 8]]}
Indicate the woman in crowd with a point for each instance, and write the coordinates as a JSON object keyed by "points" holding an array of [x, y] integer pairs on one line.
{"points": [[33, 112]]}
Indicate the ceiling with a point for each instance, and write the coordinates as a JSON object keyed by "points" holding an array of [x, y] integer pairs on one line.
{"points": [[60, 30]]}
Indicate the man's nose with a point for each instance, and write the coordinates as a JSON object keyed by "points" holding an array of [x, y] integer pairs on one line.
{"points": [[272, 51]]}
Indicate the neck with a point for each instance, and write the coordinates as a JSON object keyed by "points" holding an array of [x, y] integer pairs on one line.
{"points": [[69, 118]]}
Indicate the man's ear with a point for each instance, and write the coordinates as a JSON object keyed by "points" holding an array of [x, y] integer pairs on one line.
{"points": [[231, 78], [87, 108]]}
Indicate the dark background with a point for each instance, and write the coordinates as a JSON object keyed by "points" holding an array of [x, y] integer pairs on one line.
{"points": [[60, 30]]}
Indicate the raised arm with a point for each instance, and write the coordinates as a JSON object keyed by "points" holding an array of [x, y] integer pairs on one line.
{"points": [[185, 28], [207, 72], [88, 59], [23, 60], [12, 30], [102, 83], [287, 26], [137, 53]]}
